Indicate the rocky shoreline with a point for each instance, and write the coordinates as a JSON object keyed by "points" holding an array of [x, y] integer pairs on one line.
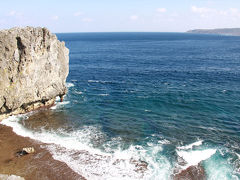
{"points": [[36, 166], [40, 165], [34, 66]]}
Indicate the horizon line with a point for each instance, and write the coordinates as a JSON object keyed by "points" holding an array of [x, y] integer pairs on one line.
{"points": [[121, 32]]}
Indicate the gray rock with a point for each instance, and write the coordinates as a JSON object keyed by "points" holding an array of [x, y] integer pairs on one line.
{"points": [[34, 66]]}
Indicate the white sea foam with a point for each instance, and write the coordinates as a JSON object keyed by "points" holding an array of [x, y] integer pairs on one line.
{"points": [[224, 91], [221, 168], [57, 99], [193, 157], [99, 81], [164, 141], [59, 104], [190, 146], [103, 94], [12, 121], [93, 81], [68, 85], [78, 92], [77, 150], [122, 164], [76, 140], [119, 164], [217, 167]]}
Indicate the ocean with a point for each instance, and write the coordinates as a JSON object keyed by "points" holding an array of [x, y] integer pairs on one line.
{"points": [[145, 106]]}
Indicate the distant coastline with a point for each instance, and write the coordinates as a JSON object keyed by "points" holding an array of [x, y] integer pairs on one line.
{"points": [[223, 31]]}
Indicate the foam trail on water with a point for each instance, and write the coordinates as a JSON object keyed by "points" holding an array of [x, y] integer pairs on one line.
{"points": [[93, 81], [103, 94], [99, 81]]}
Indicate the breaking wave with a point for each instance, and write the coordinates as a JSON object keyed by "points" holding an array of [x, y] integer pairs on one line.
{"points": [[88, 152], [77, 149]]}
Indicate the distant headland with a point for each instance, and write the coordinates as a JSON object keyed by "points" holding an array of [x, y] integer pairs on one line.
{"points": [[223, 31]]}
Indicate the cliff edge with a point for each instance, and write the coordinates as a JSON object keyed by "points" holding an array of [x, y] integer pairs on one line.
{"points": [[34, 66]]}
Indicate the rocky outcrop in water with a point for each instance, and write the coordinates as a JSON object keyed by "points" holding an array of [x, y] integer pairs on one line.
{"points": [[191, 173], [33, 69]]}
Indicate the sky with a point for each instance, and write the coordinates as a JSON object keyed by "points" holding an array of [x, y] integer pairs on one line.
{"points": [[120, 15]]}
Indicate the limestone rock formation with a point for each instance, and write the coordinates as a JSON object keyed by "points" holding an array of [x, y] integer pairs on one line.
{"points": [[34, 66]]}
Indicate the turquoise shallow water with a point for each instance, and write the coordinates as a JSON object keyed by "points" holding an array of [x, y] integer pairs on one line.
{"points": [[159, 98]]}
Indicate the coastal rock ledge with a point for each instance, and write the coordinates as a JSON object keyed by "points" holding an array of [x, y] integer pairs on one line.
{"points": [[34, 66]]}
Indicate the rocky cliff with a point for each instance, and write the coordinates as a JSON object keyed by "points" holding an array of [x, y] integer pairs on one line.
{"points": [[33, 69]]}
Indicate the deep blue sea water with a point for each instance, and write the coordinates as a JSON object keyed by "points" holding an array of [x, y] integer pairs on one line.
{"points": [[168, 100]]}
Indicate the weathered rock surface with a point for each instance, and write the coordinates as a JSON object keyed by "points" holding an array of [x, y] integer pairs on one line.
{"points": [[33, 69], [191, 173]]}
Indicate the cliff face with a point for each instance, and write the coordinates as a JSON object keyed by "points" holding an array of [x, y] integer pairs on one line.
{"points": [[33, 69]]}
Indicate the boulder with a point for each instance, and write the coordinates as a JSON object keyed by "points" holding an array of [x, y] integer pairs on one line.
{"points": [[25, 151], [34, 66]]}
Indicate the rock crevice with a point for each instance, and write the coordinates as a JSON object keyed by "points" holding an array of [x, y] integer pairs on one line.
{"points": [[34, 66]]}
